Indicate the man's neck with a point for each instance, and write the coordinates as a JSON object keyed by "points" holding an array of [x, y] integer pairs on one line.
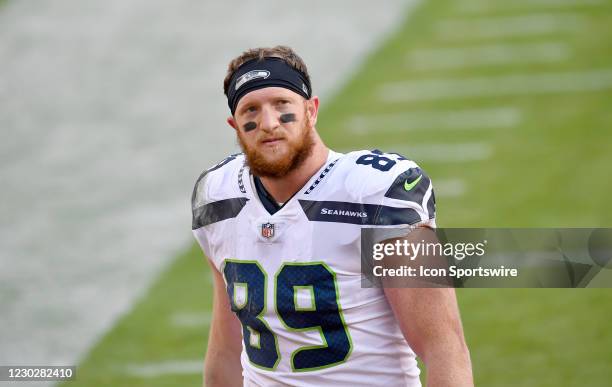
{"points": [[282, 189]]}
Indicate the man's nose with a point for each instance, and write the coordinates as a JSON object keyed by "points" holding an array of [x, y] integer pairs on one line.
{"points": [[269, 119]]}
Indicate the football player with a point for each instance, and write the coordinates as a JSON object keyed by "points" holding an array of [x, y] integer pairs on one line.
{"points": [[281, 223]]}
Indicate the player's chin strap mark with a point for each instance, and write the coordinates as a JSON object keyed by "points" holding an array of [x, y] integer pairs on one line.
{"points": [[267, 72], [287, 117], [249, 126]]}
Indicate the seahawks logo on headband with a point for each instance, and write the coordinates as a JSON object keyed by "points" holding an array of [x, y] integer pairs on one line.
{"points": [[267, 72], [253, 74]]}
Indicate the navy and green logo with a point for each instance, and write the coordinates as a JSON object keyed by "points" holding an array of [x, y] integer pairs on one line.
{"points": [[410, 186]]}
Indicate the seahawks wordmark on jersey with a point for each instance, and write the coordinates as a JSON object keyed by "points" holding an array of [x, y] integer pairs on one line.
{"points": [[293, 277]]}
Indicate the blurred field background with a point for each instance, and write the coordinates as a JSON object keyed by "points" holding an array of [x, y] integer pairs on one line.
{"points": [[507, 106], [108, 112]]}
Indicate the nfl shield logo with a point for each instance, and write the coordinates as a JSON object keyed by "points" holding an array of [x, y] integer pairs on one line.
{"points": [[267, 230]]}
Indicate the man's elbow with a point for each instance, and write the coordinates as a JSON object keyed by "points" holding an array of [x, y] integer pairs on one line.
{"points": [[222, 369], [448, 363], [212, 378], [452, 347]]}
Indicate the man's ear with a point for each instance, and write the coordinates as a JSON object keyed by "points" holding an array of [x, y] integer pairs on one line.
{"points": [[312, 109], [232, 122]]}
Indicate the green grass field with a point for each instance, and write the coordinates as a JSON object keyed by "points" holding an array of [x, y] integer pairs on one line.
{"points": [[515, 133]]}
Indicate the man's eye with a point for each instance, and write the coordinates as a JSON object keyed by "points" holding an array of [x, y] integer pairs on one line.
{"points": [[283, 105], [251, 109]]}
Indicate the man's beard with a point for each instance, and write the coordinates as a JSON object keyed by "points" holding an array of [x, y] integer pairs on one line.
{"points": [[299, 150]]}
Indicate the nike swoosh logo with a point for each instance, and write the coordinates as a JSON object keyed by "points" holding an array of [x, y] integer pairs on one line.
{"points": [[410, 186]]}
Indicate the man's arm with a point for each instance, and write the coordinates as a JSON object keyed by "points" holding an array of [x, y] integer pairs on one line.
{"points": [[430, 322], [222, 364]]}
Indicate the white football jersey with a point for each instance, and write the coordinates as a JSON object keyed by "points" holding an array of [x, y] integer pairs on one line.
{"points": [[294, 278]]}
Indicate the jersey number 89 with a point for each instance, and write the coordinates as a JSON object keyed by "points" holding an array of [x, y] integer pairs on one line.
{"points": [[246, 287], [379, 160]]}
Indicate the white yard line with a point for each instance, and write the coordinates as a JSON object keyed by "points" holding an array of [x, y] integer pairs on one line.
{"points": [[497, 86], [488, 55], [191, 319], [484, 6], [163, 368], [449, 188], [443, 152], [465, 119], [509, 26]]}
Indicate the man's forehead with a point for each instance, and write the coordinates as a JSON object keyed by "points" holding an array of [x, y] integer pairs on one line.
{"points": [[268, 93]]}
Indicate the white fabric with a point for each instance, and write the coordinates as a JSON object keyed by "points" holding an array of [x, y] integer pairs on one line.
{"points": [[380, 354]]}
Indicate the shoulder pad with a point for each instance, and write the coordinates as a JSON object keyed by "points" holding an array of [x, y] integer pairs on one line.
{"points": [[372, 171], [221, 181], [389, 179]]}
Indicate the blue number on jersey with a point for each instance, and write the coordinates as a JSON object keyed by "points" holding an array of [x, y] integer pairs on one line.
{"points": [[262, 347], [324, 314], [377, 161]]}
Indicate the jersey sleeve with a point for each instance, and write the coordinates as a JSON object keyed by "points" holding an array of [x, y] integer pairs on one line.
{"points": [[412, 191], [217, 196], [198, 201], [394, 188]]}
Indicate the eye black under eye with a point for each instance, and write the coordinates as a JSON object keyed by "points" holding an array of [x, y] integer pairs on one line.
{"points": [[287, 117], [249, 126]]}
